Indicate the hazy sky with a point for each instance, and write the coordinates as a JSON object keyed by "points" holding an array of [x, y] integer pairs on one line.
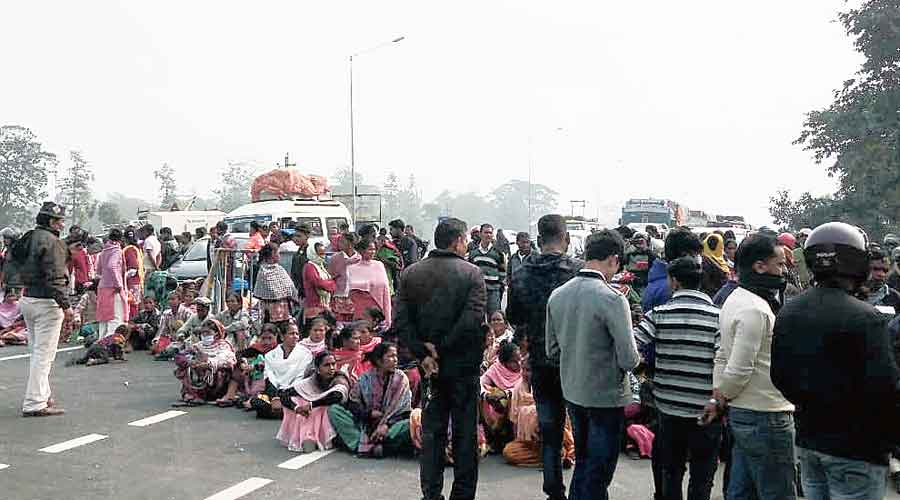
{"points": [[696, 101]]}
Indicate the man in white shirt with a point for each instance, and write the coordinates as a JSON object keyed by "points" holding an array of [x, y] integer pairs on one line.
{"points": [[152, 250], [759, 416]]}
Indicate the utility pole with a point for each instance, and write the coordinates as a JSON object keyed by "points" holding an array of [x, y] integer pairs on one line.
{"points": [[582, 203]]}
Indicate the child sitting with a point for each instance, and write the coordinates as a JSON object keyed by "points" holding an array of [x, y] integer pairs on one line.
{"points": [[171, 320], [12, 325], [144, 325]]}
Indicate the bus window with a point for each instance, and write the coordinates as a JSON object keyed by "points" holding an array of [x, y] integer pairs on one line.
{"points": [[314, 223]]}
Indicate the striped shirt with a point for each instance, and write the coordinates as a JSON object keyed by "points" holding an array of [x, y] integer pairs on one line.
{"points": [[492, 263], [682, 336]]}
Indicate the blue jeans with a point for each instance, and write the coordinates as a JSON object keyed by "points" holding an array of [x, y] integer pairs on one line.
{"points": [[598, 440], [826, 477], [762, 460], [551, 409]]}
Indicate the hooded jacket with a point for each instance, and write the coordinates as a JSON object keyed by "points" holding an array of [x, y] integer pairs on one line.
{"points": [[528, 295], [657, 292]]}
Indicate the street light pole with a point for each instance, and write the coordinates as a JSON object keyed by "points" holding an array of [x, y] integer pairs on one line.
{"points": [[353, 187]]}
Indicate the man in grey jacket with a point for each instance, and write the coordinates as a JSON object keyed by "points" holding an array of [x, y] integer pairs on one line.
{"points": [[589, 332]]}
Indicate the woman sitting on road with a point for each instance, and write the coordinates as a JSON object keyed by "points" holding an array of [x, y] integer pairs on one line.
{"points": [[236, 321], [375, 420], [498, 333], [497, 384], [274, 288], [285, 364], [315, 332], [205, 367], [305, 426], [12, 325], [248, 379], [348, 355], [368, 283]]}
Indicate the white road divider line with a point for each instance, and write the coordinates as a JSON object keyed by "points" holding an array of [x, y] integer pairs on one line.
{"points": [[28, 355], [73, 443], [155, 419], [240, 489], [305, 459], [4, 466]]}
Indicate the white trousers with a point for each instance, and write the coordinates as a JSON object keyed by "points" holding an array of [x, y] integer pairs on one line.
{"points": [[108, 328], [44, 319]]}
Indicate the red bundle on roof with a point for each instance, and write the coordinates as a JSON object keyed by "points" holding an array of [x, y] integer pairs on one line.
{"points": [[286, 183]]}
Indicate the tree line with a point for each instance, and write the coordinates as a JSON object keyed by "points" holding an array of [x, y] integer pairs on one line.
{"points": [[858, 135]]}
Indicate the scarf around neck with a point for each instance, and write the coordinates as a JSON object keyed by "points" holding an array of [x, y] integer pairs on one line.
{"points": [[767, 286], [716, 256]]}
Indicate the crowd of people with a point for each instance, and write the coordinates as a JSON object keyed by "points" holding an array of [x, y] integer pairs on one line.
{"points": [[775, 354]]}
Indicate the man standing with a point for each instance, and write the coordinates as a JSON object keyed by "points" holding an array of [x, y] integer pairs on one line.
{"points": [[408, 247], [152, 250], [492, 263], [523, 244], [759, 417], [589, 333], [832, 357], [298, 262], [39, 265], [678, 342], [529, 290], [440, 310], [876, 289], [421, 244]]}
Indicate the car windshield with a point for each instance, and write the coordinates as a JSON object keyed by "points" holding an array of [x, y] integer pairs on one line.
{"points": [[197, 250]]}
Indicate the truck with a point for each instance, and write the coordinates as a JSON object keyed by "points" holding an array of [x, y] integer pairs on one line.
{"points": [[184, 220], [653, 211]]}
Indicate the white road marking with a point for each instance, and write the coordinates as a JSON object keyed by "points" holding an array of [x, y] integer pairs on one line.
{"points": [[4, 466], [155, 419], [305, 459], [240, 489], [28, 355], [73, 443]]}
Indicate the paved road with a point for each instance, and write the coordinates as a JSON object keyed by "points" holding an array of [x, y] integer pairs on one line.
{"points": [[200, 453]]}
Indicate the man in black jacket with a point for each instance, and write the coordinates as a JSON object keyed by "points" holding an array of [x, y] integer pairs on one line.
{"points": [[440, 312], [409, 249], [39, 265], [529, 291], [832, 358], [299, 260]]}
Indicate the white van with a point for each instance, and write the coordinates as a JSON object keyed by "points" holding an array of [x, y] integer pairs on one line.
{"points": [[322, 216]]}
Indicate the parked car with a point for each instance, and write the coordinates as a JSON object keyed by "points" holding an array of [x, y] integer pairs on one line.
{"points": [[192, 264]]}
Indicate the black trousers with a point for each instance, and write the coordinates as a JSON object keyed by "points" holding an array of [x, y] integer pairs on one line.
{"points": [[454, 401], [679, 441]]}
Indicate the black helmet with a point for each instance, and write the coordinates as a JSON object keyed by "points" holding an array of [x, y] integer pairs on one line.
{"points": [[838, 249]]}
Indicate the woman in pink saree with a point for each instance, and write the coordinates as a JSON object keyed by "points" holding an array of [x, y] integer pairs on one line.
{"points": [[112, 298], [305, 426], [497, 385], [205, 367], [12, 325], [368, 283]]}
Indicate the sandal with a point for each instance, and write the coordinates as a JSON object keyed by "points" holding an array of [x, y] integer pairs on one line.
{"points": [[225, 403]]}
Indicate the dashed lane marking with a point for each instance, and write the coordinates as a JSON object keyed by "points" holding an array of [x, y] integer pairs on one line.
{"points": [[240, 489], [28, 355], [73, 443], [155, 419], [4, 466], [305, 459]]}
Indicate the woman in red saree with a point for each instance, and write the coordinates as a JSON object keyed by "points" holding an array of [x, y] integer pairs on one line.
{"points": [[134, 272]]}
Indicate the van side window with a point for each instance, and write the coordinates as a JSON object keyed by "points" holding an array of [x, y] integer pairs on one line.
{"points": [[314, 223], [334, 224]]}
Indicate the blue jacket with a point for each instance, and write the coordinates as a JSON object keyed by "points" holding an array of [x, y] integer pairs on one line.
{"points": [[657, 292]]}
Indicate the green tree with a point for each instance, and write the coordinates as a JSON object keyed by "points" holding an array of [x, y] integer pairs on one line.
{"points": [[806, 211], [75, 189], [165, 175], [109, 214], [860, 130], [24, 164], [234, 189], [510, 204]]}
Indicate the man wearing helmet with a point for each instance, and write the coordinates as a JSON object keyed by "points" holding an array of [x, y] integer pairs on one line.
{"points": [[831, 357]]}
